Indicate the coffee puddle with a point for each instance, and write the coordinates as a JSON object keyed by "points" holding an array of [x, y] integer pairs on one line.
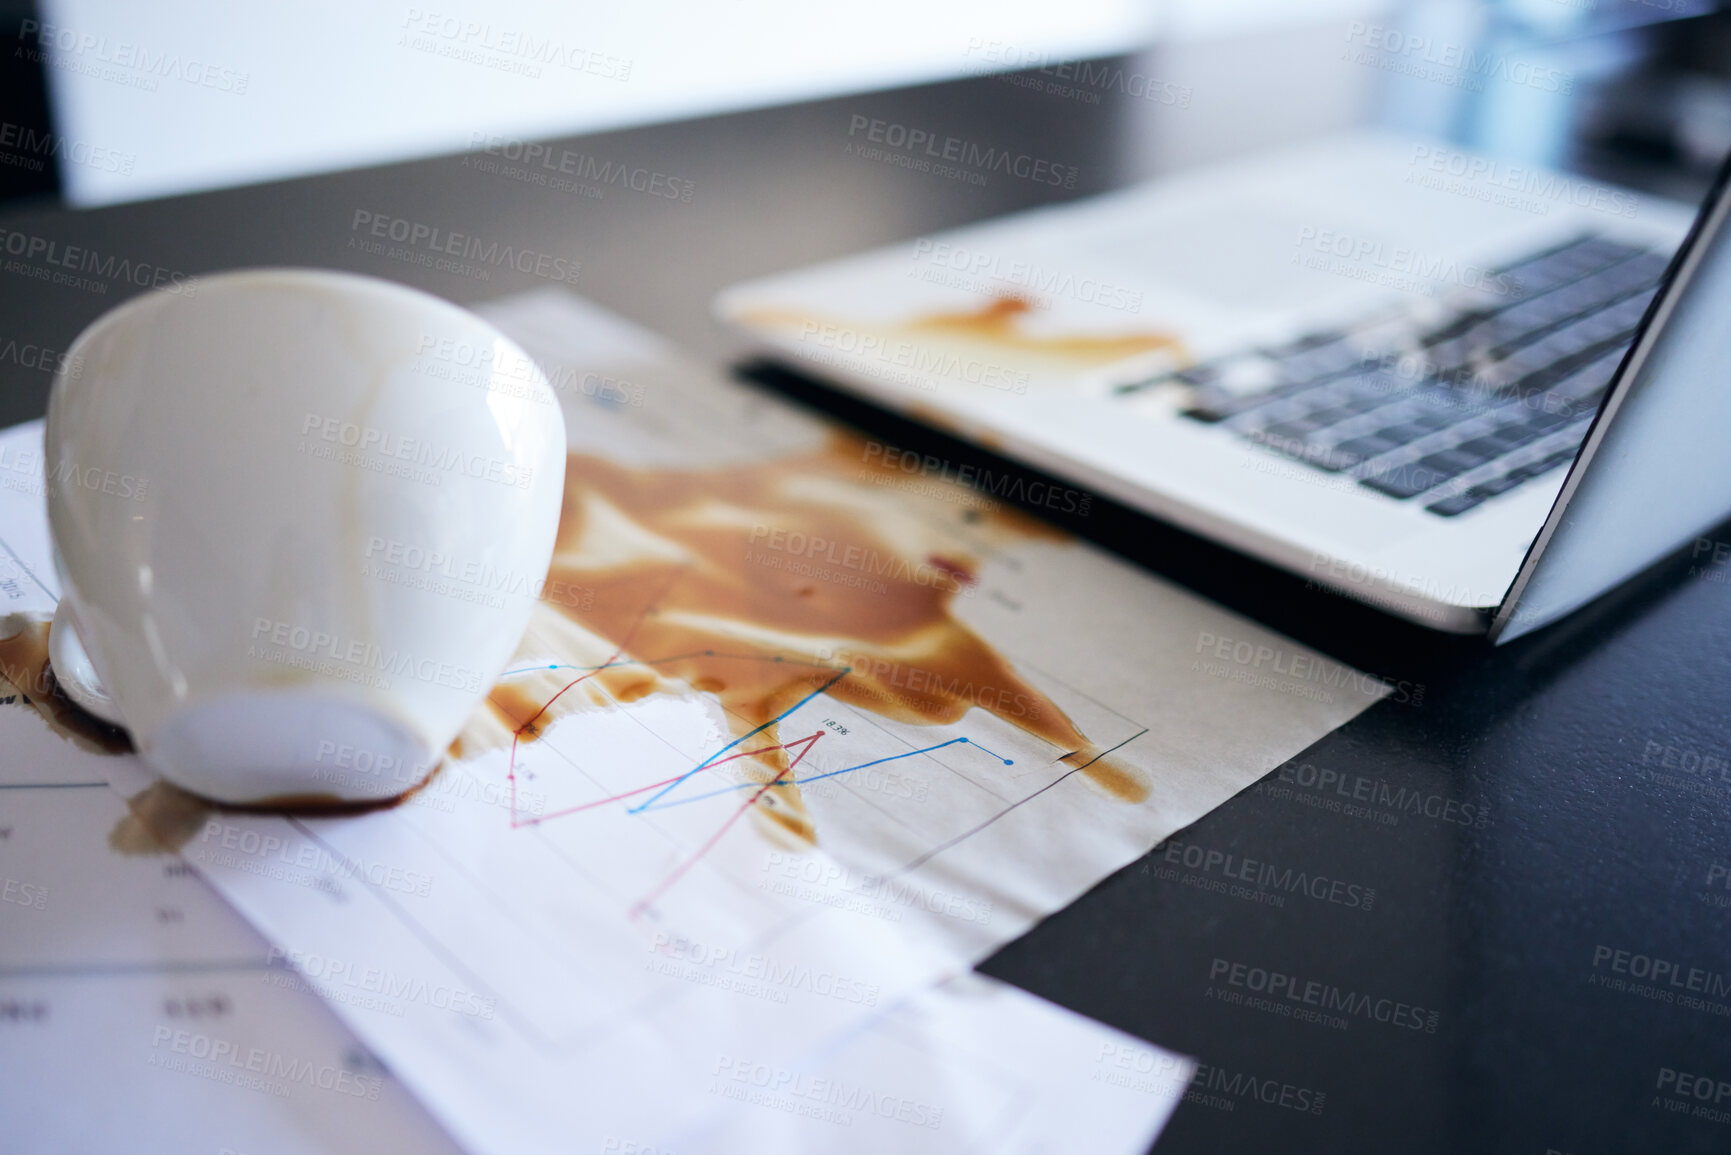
{"points": [[764, 583], [163, 817], [761, 584], [24, 663], [999, 323]]}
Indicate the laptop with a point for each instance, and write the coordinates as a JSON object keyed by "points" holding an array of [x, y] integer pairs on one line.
{"points": [[1473, 395]]}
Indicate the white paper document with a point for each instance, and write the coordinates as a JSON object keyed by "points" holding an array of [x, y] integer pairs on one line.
{"points": [[802, 727], [138, 1012]]}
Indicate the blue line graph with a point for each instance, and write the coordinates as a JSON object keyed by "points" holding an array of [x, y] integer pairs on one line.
{"points": [[680, 781], [655, 801], [651, 804]]}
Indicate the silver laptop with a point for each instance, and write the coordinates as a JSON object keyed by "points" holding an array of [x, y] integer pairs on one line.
{"points": [[1473, 400]]}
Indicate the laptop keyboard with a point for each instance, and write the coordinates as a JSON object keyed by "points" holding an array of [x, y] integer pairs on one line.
{"points": [[1452, 413]]}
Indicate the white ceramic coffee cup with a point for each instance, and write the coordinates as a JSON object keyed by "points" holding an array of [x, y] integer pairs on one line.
{"points": [[299, 518]]}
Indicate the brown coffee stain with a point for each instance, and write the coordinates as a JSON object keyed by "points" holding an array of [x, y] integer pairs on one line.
{"points": [[325, 805], [24, 663], [997, 324], [761, 583], [163, 819], [162, 816], [999, 321]]}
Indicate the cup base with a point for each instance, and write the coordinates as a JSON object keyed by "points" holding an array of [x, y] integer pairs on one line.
{"points": [[288, 748]]}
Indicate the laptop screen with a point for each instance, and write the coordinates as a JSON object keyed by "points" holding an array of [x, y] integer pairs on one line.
{"points": [[1356, 309], [1652, 473]]}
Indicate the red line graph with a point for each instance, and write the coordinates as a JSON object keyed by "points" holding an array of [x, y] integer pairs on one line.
{"points": [[674, 876], [518, 822], [517, 734]]}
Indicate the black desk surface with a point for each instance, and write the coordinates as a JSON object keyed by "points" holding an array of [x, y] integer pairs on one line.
{"points": [[1546, 827]]}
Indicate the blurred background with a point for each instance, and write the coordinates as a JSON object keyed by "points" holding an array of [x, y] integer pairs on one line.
{"points": [[109, 101]]}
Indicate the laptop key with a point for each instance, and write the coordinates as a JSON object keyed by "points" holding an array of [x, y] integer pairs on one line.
{"points": [[1214, 404], [1403, 481], [1326, 361], [1542, 465], [1486, 446], [1406, 431], [1452, 462], [1485, 490], [1496, 485], [1368, 446], [1533, 360], [1539, 424], [1284, 431], [1511, 436], [1458, 504]]}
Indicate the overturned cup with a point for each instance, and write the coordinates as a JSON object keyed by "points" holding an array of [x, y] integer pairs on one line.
{"points": [[295, 514]]}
